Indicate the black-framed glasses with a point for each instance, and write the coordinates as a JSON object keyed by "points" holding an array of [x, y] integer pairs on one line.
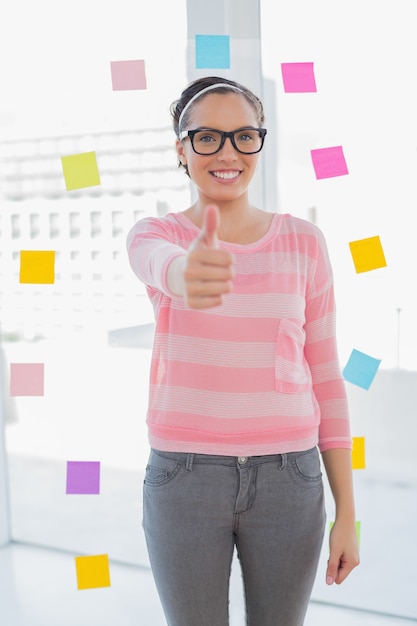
{"points": [[246, 140]]}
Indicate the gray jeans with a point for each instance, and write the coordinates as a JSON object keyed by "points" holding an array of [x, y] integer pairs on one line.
{"points": [[198, 507]]}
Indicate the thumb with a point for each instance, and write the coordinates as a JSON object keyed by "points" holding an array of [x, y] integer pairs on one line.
{"points": [[332, 571], [211, 225]]}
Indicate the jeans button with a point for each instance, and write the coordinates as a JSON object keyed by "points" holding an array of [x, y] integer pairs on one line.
{"points": [[242, 459]]}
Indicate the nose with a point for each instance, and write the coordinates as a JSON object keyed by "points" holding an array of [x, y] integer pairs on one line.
{"points": [[228, 152]]}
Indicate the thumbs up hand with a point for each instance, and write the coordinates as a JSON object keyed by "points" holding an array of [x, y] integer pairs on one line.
{"points": [[207, 270]]}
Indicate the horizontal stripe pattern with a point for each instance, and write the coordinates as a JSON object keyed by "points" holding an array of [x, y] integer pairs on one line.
{"points": [[204, 351], [260, 372]]}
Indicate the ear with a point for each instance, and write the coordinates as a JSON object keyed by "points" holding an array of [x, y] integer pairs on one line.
{"points": [[180, 152]]}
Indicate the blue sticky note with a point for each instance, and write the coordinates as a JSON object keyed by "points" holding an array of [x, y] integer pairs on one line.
{"points": [[361, 369], [212, 51]]}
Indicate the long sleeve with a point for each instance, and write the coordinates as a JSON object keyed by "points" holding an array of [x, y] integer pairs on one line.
{"points": [[151, 249], [322, 355]]}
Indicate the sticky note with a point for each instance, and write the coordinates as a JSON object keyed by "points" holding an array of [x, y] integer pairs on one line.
{"points": [[128, 75], [358, 531], [83, 477], [27, 379], [358, 453], [298, 77], [37, 266], [92, 571], [80, 170], [361, 369], [212, 51], [367, 254], [329, 162]]}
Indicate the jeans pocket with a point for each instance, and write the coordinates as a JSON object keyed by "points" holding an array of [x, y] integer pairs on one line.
{"points": [[305, 467], [292, 372], [160, 470]]}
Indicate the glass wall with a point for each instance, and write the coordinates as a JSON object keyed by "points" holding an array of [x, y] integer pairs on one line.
{"points": [[349, 84], [87, 332]]}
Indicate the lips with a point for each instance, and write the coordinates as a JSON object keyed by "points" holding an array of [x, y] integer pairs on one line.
{"points": [[226, 174]]}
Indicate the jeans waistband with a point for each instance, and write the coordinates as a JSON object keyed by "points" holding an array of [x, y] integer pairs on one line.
{"points": [[189, 459]]}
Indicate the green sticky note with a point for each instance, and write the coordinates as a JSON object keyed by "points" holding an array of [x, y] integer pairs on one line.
{"points": [[37, 266], [92, 571], [80, 170]]}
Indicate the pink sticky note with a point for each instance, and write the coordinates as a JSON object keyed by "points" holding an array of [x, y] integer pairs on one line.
{"points": [[128, 75], [329, 162], [26, 379], [298, 77]]}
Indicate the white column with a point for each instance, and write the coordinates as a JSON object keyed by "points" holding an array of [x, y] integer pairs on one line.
{"points": [[4, 483], [240, 20]]}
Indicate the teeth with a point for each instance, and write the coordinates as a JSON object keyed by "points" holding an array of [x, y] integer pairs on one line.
{"points": [[226, 175]]}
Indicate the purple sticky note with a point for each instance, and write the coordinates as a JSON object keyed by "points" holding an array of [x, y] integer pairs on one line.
{"points": [[329, 162], [298, 77], [27, 379], [128, 75], [83, 477]]}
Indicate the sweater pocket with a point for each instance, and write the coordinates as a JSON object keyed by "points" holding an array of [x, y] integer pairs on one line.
{"points": [[292, 372]]}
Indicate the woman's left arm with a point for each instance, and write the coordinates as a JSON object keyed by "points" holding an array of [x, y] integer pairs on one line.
{"points": [[344, 549]]}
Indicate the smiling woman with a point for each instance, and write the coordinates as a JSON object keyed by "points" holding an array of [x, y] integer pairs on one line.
{"points": [[244, 381]]}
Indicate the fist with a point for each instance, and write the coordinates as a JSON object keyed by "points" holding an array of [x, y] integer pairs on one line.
{"points": [[208, 272]]}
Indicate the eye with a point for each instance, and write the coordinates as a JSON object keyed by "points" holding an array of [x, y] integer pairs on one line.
{"points": [[206, 137], [247, 136]]}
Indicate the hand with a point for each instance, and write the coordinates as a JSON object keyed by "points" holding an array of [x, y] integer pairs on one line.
{"points": [[344, 552], [208, 271]]}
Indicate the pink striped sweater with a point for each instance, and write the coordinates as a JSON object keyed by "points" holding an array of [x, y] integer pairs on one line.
{"points": [[258, 374]]}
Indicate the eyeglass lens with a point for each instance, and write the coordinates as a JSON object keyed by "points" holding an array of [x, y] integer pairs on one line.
{"points": [[209, 141]]}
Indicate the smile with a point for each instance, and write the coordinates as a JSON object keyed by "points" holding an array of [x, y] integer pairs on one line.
{"points": [[226, 175]]}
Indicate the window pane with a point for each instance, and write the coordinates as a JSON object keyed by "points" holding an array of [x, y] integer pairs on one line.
{"points": [[91, 329], [365, 102]]}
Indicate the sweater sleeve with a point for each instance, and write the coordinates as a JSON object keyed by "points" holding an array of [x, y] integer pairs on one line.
{"points": [[151, 248], [322, 355]]}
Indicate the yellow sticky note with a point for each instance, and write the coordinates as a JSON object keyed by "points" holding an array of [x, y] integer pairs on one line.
{"points": [[37, 266], [80, 170], [367, 254], [358, 453], [92, 571]]}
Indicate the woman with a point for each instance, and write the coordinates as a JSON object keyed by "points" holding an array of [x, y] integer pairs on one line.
{"points": [[245, 385]]}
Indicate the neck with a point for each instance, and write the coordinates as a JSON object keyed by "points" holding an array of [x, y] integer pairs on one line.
{"points": [[240, 222]]}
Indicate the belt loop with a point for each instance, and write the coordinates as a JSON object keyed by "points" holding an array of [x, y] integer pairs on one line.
{"points": [[189, 462], [283, 461]]}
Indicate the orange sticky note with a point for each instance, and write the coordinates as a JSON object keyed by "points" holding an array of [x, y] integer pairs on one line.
{"points": [[358, 453], [92, 571], [80, 170], [37, 266], [367, 254]]}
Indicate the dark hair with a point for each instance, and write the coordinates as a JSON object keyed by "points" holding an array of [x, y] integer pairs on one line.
{"points": [[198, 85]]}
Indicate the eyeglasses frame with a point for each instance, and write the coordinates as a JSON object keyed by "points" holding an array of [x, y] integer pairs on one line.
{"points": [[191, 133]]}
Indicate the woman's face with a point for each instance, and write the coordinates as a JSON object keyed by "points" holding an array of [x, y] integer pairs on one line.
{"points": [[224, 176]]}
